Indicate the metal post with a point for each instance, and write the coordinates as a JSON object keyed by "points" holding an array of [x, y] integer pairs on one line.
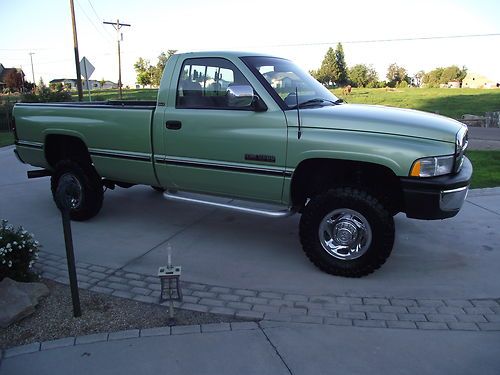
{"points": [[117, 27], [64, 205], [119, 69], [32, 70], [87, 78], [77, 57]]}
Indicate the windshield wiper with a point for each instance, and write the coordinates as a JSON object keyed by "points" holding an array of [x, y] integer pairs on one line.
{"points": [[314, 101]]}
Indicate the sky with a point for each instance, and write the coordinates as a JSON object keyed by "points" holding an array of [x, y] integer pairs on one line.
{"points": [[301, 31]]}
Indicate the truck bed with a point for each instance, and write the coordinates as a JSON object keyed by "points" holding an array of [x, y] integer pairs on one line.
{"points": [[116, 133]]}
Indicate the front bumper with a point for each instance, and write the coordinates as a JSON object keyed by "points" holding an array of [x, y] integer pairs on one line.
{"points": [[436, 197], [18, 157]]}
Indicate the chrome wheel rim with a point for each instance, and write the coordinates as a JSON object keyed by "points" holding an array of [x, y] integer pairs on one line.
{"points": [[73, 191], [345, 234]]}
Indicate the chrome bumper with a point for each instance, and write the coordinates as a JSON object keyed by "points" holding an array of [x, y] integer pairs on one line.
{"points": [[452, 200]]}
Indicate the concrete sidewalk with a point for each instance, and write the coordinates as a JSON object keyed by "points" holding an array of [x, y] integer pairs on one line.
{"points": [[268, 348]]}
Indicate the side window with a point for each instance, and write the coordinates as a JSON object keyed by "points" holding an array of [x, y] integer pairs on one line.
{"points": [[203, 83]]}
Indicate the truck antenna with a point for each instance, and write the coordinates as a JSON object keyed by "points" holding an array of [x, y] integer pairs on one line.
{"points": [[299, 134]]}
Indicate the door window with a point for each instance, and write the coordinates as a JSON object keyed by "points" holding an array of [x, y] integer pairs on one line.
{"points": [[204, 81]]}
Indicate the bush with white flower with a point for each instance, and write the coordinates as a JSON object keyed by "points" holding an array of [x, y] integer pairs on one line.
{"points": [[18, 253]]}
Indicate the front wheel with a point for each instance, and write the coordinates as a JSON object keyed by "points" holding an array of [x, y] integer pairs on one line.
{"points": [[347, 232]]}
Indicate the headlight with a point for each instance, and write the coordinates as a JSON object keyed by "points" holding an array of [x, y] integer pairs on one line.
{"points": [[433, 166]]}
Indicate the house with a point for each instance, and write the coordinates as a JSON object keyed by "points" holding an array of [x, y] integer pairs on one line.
{"points": [[478, 81], [94, 84], [4, 72]]}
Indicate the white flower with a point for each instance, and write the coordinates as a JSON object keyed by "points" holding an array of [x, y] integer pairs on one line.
{"points": [[8, 246], [37, 243], [14, 243], [10, 264], [3, 261]]}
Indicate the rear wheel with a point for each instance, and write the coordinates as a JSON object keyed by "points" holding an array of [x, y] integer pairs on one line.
{"points": [[85, 193], [347, 232]]}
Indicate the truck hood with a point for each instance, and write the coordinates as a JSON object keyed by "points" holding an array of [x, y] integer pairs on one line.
{"points": [[381, 119]]}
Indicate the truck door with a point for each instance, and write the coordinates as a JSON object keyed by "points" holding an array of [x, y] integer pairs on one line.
{"points": [[213, 147]]}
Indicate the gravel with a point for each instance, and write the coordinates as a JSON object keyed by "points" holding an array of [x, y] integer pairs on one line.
{"points": [[53, 318]]}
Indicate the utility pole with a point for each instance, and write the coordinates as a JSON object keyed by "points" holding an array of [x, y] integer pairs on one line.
{"points": [[32, 70], [117, 25], [77, 57]]}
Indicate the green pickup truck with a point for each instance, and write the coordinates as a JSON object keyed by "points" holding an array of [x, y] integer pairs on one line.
{"points": [[262, 131]]}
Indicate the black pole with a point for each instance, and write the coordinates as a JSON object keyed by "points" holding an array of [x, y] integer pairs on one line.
{"points": [[62, 197]]}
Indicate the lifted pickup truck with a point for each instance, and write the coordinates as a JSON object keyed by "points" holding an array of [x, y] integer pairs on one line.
{"points": [[259, 129]]}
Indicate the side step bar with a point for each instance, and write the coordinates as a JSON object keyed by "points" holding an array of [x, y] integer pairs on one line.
{"points": [[262, 212]]}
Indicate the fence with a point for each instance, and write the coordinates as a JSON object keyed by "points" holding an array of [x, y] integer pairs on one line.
{"points": [[489, 120], [6, 104]]}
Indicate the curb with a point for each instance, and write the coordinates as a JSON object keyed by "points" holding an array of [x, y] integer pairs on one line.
{"points": [[125, 335]]}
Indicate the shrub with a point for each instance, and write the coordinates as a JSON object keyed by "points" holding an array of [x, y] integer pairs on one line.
{"points": [[18, 252], [43, 94]]}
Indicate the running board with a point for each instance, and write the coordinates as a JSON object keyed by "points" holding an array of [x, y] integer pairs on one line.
{"points": [[262, 212]]}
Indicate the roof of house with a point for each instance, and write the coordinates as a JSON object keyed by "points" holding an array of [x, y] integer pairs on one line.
{"points": [[6, 71], [60, 80]]}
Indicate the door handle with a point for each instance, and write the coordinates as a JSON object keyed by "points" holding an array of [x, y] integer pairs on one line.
{"points": [[173, 125]]}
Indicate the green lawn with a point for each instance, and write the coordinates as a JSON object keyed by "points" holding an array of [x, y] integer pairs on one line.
{"points": [[486, 168], [6, 138], [448, 102], [97, 95]]}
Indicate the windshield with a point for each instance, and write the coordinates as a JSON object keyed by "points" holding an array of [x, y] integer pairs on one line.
{"points": [[285, 78]]}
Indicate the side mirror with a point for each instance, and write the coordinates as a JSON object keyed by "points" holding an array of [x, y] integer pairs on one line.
{"points": [[241, 96]]}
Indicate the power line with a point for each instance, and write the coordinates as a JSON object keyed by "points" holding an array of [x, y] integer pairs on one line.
{"points": [[99, 19], [93, 24], [27, 49], [385, 40]]}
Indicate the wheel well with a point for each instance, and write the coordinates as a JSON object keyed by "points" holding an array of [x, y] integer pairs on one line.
{"points": [[315, 176], [60, 147]]}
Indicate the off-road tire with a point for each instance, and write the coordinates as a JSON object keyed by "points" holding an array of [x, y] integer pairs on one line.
{"points": [[379, 218], [91, 184]]}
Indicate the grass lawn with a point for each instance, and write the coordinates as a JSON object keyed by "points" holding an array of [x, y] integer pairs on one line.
{"points": [[6, 138], [448, 102], [98, 95], [486, 168]]}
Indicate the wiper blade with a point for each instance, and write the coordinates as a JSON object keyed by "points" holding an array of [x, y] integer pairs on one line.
{"points": [[314, 101]]}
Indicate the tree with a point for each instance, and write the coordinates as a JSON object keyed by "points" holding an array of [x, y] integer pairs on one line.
{"points": [[361, 75], [419, 76], [160, 66], [14, 80], [102, 82], [441, 75], [333, 68], [142, 68], [396, 75], [148, 74], [340, 66]]}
